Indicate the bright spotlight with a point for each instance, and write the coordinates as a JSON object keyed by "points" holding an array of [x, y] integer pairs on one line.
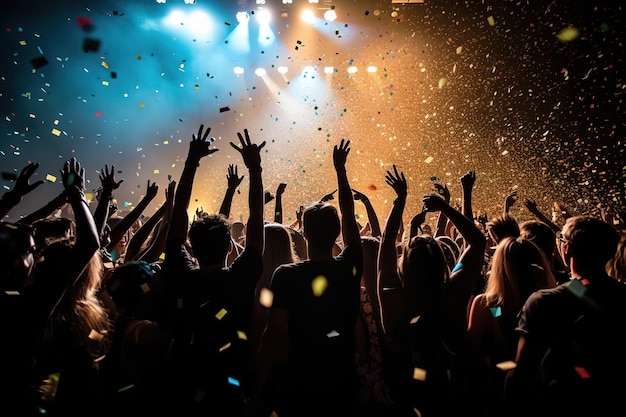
{"points": [[242, 17], [260, 1], [260, 72], [263, 16], [190, 1], [287, 1], [314, 1], [282, 70], [307, 15], [372, 69], [352, 70], [330, 15], [329, 70], [160, 1], [238, 70]]}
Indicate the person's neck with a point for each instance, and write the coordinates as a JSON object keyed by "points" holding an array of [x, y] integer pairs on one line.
{"points": [[318, 254], [579, 271]]}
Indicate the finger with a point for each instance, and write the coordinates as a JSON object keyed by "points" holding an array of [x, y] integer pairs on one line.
{"points": [[194, 137], [208, 130], [237, 148], [119, 182], [395, 170], [243, 144], [262, 145], [245, 131]]}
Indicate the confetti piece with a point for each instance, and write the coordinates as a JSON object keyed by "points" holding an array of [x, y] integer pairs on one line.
{"points": [[506, 365], [56, 132], [443, 82], [91, 45], [12, 293], [156, 171], [319, 285], [372, 187], [39, 62], [458, 266], [105, 65], [226, 346], [224, 109], [429, 160], [51, 178], [332, 333], [126, 388], [582, 372], [95, 335], [496, 311], [242, 335], [98, 114], [266, 297], [419, 374], [105, 83], [23, 43], [220, 314], [233, 381], [568, 34], [491, 21]]}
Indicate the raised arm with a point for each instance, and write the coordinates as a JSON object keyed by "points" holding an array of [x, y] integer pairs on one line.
{"points": [[442, 219], [251, 154], [467, 272], [416, 223], [278, 207], [509, 201], [109, 184], [126, 223], [22, 187], [349, 226], [47, 210], [233, 182], [371, 213], [531, 205], [199, 147], [157, 245], [87, 238], [467, 185]]}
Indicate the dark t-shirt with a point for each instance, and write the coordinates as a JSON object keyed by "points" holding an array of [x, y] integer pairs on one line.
{"points": [[213, 310], [581, 324], [322, 298]]}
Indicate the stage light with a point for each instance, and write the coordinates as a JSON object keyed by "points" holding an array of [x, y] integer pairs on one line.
{"points": [[314, 1], [372, 69], [282, 70], [260, 72], [307, 15], [260, 1], [161, 1], [238, 70], [330, 15], [352, 70], [287, 1], [242, 17], [329, 70], [263, 16], [190, 1]]}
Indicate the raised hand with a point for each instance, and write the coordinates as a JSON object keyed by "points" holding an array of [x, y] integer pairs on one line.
{"points": [[233, 177], [152, 190], [510, 200], [199, 147], [397, 182], [22, 184], [299, 214], [250, 152], [357, 195], [328, 197], [340, 154], [107, 178], [73, 175], [433, 202], [531, 205], [468, 179]]}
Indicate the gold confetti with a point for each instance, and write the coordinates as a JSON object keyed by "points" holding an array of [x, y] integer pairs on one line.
{"points": [[220, 314], [506, 365], [51, 178], [266, 297], [419, 374], [105, 65], [319, 285]]}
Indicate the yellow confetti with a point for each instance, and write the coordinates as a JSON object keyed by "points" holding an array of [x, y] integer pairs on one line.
{"points": [[568, 34], [354, 271], [23, 43], [56, 122], [242, 335], [506, 365], [429, 159], [105, 65], [12, 293], [266, 297], [156, 171], [95, 335], [491, 21], [419, 374], [414, 319], [138, 57], [142, 105], [319, 285], [105, 83], [51, 178], [162, 256], [32, 116], [220, 314], [442, 82]]}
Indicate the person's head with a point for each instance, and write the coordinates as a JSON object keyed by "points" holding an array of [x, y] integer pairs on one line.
{"points": [[134, 289], [450, 250], [501, 227], [278, 248], [321, 225], [541, 234], [299, 243], [237, 230], [120, 247], [591, 242], [17, 255], [51, 229], [370, 247], [423, 269], [210, 239], [616, 267], [518, 268]]}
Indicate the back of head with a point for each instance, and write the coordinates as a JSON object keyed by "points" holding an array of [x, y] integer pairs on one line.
{"points": [[279, 248], [592, 241], [519, 267], [210, 238], [51, 229], [503, 226], [321, 225], [450, 250], [299, 243], [131, 285], [539, 233], [15, 242]]}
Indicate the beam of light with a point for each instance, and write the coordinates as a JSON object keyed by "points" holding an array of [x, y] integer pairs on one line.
{"points": [[260, 72], [238, 70], [352, 70], [196, 23], [190, 1], [263, 16], [329, 70], [307, 16], [266, 34], [238, 40], [372, 69], [242, 17], [282, 70], [161, 1]]}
